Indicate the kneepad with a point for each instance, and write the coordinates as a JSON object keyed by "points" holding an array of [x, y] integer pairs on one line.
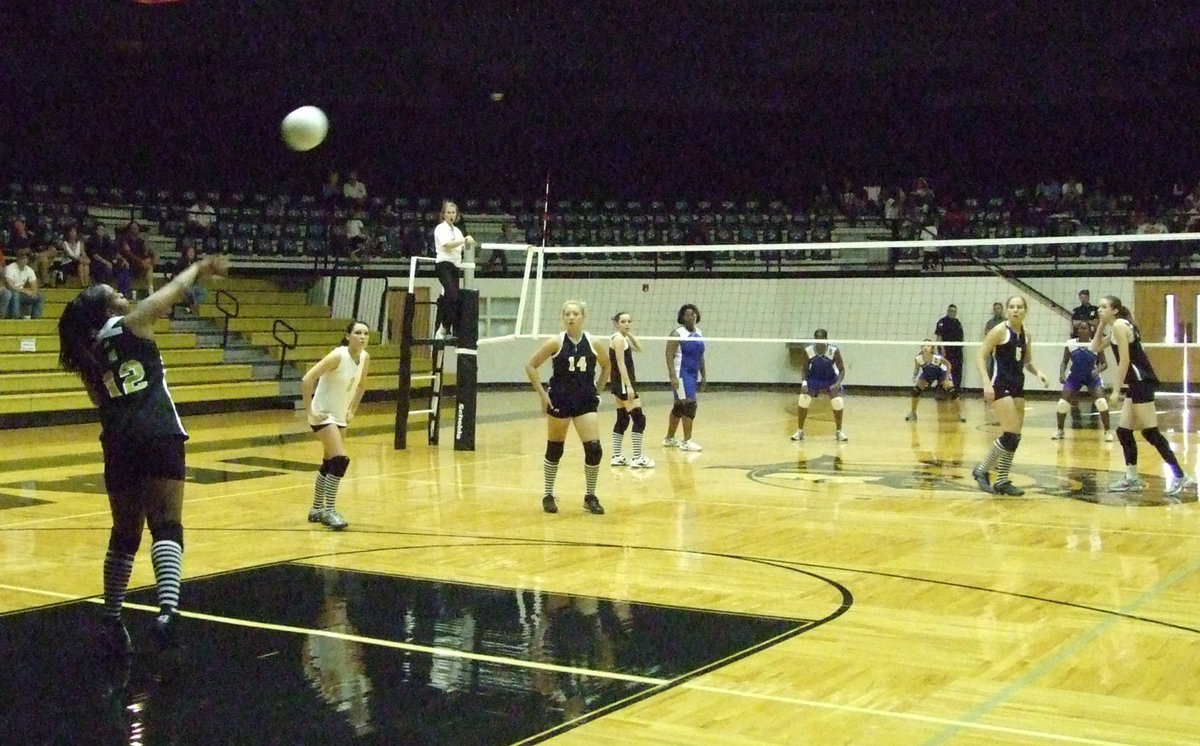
{"points": [[689, 409], [1101, 404], [916, 391], [124, 543], [592, 452], [1010, 441], [836, 403], [622, 423], [167, 531], [554, 451], [677, 409], [337, 466], [639, 420], [1063, 407], [804, 401]]}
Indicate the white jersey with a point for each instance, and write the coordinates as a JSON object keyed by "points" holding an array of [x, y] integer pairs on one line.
{"points": [[335, 389], [443, 234]]}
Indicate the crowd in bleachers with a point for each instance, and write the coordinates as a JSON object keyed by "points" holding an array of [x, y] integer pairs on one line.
{"points": [[343, 219]]}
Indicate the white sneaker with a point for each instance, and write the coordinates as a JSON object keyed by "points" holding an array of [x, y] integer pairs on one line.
{"points": [[1180, 485], [670, 442], [641, 463], [1058, 435], [911, 417], [1127, 484], [690, 445], [618, 460], [798, 435], [1108, 436], [840, 435]]}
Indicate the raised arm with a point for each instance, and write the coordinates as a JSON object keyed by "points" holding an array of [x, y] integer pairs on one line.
{"points": [[141, 319]]}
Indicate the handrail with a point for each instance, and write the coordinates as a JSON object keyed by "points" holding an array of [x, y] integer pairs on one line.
{"points": [[284, 345], [237, 309]]}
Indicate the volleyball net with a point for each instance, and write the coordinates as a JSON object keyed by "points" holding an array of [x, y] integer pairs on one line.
{"points": [[763, 302]]}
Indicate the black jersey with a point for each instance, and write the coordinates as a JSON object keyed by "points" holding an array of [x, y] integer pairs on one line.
{"points": [[134, 400], [1139, 364], [574, 377], [1010, 356], [616, 385]]}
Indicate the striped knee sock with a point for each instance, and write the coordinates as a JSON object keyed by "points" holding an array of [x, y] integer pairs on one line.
{"points": [[637, 444], [319, 492], [118, 566], [1003, 464], [993, 455], [332, 482], [167, 558], [590, 474], [617, 441], [549, 474]]}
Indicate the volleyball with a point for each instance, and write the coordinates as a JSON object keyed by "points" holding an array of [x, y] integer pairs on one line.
{"points": [[305, 128]]}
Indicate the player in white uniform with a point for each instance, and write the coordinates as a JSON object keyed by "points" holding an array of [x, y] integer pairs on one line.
{"points": [[331, 391]]}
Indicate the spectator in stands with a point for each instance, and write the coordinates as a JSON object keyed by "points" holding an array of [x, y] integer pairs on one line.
{"points": [[77, 262], [354, 192], [196, 293], [1145, 250], [202, 221], [19, 238], [356, 239], [500, 256], [1072, 195], [931, 256], [20, 279], [331, 190], [46, 262], [108, 266], [140, 257]]}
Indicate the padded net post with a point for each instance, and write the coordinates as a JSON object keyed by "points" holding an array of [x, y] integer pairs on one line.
{"points": [[404, 382], [465, 389]]}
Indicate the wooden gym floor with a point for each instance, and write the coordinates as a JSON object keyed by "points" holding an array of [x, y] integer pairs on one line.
{"points": [[761, 591]]}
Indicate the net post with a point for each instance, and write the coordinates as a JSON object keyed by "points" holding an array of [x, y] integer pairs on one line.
{"points": [[404, 382], [467, 370]]}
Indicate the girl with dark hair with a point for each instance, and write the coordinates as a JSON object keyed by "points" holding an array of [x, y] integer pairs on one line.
{"points": [[621, 347], [448, 243], [685, 368], [110, 345], [1010, 346], [331, 391], [1136, 376]]}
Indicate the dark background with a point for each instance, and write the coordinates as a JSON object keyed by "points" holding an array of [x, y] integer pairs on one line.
{"points": [[614, 99]]}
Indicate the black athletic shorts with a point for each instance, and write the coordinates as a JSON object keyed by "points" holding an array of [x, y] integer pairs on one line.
{"points": [[570, 407], [1141, 392], [130, 461], [1014, 387]]}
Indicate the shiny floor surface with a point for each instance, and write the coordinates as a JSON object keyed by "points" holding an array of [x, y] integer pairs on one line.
{"points": [[759, 591]]}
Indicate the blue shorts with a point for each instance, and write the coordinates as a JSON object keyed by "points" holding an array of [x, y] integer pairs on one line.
{"points": [[689, 385], [1091, 379], [820, 385], [932, 378]]}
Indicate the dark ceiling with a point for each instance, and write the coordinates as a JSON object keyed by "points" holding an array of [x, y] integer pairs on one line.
{"points": [[615, 98]]}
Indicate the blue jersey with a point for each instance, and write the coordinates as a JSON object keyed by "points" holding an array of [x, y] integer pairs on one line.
{"points": [[822, 371], [689, 356], [1082, 368], [933, 370]]}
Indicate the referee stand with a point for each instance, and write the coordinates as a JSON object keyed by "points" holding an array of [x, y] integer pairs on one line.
{"points": [[464, 348]]}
